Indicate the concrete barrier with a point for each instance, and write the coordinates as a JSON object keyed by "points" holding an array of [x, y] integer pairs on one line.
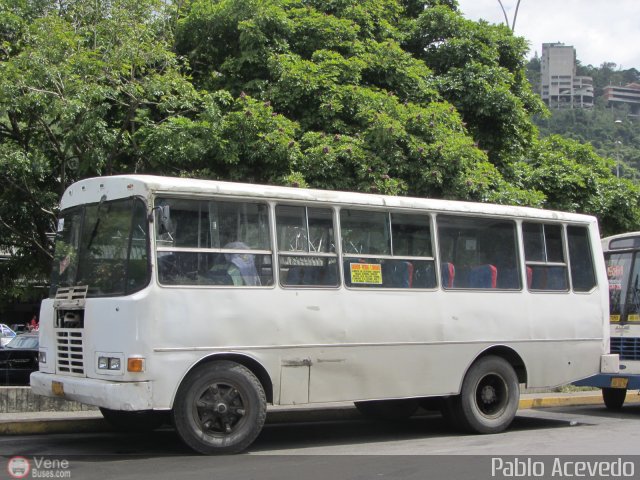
{"points": [[22, 400]]}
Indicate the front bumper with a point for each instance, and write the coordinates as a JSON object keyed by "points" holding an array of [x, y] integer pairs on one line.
{"points": [[611, 380], [129, 396]]}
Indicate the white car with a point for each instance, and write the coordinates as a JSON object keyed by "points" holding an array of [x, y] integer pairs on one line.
{"points": [[6, 334]]}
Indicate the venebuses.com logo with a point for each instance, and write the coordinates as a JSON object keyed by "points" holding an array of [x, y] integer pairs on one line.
{"points": [[38, 467], [18, 467]]}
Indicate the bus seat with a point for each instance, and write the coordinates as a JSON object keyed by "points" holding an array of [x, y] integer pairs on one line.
{"points": [[548, 278], [556, 278], [448, 272], [294, 276], [529, 277], [397, 274], [509, 279], [424, 276], [303, 275], [217, 277], [483, 276]]}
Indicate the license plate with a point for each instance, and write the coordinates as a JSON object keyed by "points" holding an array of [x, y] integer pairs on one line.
{"points": [[58, 388], [619, 382]]}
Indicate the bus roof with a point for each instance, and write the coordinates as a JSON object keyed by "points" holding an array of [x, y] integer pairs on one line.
{"points": [[93, 190], [632, 241]]}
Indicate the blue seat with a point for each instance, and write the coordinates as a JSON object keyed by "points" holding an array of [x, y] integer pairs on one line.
{"points": [[397, 274], [509, 279], [424, 275], [448, 273], [483, 276]]}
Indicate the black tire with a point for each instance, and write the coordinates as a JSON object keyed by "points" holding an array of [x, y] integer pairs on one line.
{"points": [[449, 409], [140, 421], [489, 397], [614, 397], [220, 408], [397, 409]]}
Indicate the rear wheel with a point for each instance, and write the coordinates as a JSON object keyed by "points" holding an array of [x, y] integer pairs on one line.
{"points": [[397, 409], [489, 397], [140, 421], [614, 397], [220, 408]]}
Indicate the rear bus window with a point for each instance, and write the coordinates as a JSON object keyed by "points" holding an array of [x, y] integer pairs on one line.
{"points": [[583, 277], [544, 256], [478, 253]]}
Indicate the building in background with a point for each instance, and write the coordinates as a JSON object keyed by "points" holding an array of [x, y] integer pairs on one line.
{"points": [[628, 95], [559, 84]]}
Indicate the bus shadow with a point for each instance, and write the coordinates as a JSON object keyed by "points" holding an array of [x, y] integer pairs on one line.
{"points": [[286, 436], [630, 411], [278, 437]]}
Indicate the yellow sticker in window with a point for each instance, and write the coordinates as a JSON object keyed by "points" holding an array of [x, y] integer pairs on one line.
{"points": [[369, 273], [633, 318], [614, 318]]}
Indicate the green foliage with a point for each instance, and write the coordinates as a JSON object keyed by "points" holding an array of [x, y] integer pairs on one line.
{"points": [[77, 83], [481, 70], [402, 97], [611, 132], [574, 178]]}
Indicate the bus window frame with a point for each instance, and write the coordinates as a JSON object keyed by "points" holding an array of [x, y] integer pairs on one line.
{"points": [[277, 253], [212, 198], [343, 257], [518, 251], [565, 252], [591, 256]]}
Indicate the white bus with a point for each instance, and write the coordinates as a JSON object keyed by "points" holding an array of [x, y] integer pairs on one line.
{"points": [[622, 258], [209, 300]]}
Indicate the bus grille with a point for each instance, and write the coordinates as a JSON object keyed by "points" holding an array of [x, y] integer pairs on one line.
{"points": [[627, 347], [70, 352]]}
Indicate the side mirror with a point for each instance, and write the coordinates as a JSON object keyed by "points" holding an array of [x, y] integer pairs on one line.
{"points": [[162, 213]]}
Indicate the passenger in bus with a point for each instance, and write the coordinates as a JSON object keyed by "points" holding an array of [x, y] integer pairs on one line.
{"points": [[241, 266]]}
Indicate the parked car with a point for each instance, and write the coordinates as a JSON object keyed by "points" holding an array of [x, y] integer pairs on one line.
{"points": [[19, 328], [18, 359], [6, 334]]}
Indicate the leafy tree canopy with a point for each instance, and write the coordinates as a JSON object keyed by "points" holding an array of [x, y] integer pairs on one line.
{"points": [[392, 96]]}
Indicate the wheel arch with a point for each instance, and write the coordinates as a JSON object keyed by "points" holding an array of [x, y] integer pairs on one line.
{"points": [[253, 365], [508, 354]]}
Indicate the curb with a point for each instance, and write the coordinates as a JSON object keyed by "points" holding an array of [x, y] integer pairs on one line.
{"points": [[562, 401], [88, 422], [53, 425]]}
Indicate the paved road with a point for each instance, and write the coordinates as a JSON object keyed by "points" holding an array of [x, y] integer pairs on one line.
{"points": [[359, 449]]}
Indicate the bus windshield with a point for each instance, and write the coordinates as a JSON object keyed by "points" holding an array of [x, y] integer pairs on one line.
{"points": [[623, 270], [103, 246]]}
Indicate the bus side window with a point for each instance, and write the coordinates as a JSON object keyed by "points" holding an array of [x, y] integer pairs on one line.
{"points": [[387, 249], [214, 242], [544, 256], [583, 276], [478, 253], [306, 246]]}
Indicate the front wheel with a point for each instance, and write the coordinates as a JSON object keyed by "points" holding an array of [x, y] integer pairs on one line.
{"points": [[614, 397], [489, 397], [220, 408]]}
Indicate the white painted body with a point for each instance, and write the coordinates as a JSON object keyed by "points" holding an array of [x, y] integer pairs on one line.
{"points": [[326, 344]]}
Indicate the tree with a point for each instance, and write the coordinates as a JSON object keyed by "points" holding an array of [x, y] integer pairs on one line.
{"points": [[372, 115], [77, 83], [574, 178], [391, 96]]}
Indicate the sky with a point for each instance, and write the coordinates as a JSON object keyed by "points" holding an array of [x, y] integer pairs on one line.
{"points": [[600, 30]]}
